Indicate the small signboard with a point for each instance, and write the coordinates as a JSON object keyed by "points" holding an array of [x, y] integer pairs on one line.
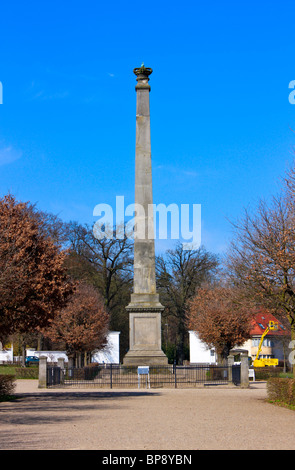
{"points": [[144, 370]]}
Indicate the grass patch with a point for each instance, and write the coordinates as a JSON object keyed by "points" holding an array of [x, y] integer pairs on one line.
{"points": [[282, 404], [31, 372], [7, 369], [286, 375]]}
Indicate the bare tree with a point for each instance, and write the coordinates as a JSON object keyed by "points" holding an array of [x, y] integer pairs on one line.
{"points": [[107, 261], [107, 264]]}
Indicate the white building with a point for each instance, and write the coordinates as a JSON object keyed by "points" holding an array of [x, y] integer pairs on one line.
{"points": [[199, 351], [108, 355], [111, 353], [6, 355]]}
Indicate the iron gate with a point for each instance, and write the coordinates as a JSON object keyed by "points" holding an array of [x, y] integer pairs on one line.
{"points": [[236, 374], [54, 376]]}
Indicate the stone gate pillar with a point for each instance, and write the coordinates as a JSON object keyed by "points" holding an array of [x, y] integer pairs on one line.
{"points": [[244, 369], [243, 353], [42, 372]]}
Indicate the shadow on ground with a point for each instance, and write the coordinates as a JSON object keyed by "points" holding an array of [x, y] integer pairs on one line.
{"points": [[54, 407]]}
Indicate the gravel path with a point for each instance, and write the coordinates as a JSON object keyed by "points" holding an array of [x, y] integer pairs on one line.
{"points": [[155, 419]]}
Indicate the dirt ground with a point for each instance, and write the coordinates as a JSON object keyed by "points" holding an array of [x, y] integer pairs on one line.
{"points": [[144, 419]]}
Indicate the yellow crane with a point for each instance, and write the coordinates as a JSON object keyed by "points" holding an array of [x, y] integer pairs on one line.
{"points": [[265, 362]]}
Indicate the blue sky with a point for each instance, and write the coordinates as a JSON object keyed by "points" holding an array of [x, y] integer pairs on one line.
{"points": [[220, 115]]}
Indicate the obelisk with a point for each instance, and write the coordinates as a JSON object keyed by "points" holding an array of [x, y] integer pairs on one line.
{"points": [[144, 308]]}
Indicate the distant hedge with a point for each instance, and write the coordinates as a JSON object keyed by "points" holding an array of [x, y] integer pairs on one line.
{"points": [[281, 390], [7, 384], [265, 373], [27, 372]]}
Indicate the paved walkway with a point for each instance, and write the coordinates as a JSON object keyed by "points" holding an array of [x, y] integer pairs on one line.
{"points": [[156, 419]]}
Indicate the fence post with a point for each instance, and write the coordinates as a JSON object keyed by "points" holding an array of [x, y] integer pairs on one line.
{"points": [[61, 365], [230, 363], [42, 372], [111, 374]]}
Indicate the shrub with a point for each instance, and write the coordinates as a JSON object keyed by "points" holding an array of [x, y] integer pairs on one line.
{"points": [[281, 390], [91, 371], [7, 384]]}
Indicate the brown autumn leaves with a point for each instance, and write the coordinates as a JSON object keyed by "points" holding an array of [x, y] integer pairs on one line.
{"points": [[36, 293]]}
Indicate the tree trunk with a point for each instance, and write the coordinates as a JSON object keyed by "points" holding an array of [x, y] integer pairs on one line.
{"points": [[23, 355], [40, 342]]}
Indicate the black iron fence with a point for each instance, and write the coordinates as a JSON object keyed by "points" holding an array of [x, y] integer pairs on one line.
{"points": [[120, 376]]}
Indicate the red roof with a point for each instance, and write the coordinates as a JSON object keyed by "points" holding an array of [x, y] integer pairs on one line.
{"points": [[261, 322]]}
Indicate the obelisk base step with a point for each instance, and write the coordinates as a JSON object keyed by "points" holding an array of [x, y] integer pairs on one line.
{"points": [[145, 358]]}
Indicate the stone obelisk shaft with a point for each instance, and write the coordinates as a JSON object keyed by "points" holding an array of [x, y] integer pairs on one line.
{"points": [[144, 249], [144, 308]]}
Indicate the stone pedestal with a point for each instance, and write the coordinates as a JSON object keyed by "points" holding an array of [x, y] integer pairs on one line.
{"points": [[145, 331]]}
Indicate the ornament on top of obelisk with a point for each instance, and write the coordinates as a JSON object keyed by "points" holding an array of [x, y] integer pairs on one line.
{"points": [[144, 308]]}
